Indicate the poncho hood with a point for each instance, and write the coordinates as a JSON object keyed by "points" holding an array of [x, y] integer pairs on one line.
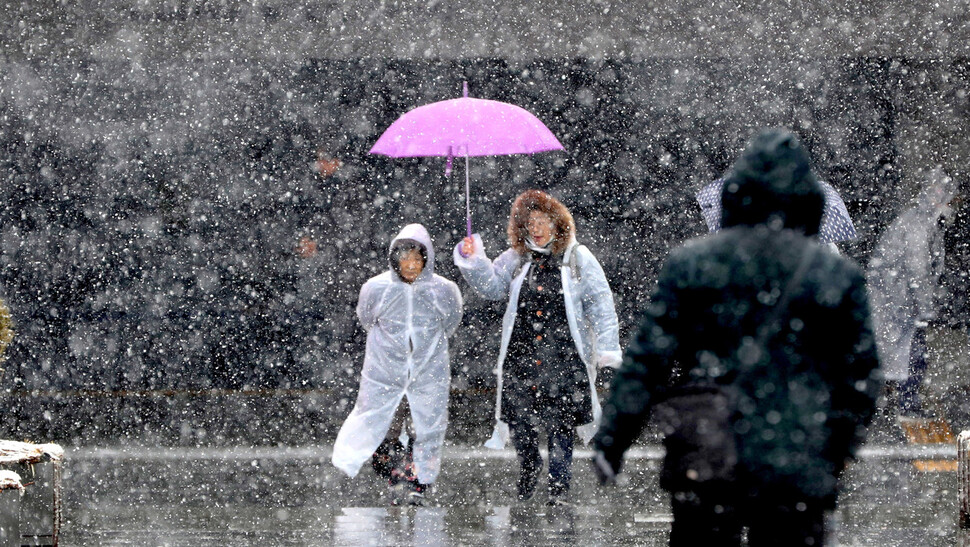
{"points": [[418, 234], [936, 194]]}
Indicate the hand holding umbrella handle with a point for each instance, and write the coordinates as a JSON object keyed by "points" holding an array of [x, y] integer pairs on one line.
{"points": [[467, 247]]}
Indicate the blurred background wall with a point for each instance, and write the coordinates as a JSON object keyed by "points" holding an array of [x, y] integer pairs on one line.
{"points": [[189, 209]]}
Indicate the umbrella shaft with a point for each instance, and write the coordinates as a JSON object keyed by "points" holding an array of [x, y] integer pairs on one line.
{"points": [[468, 201]]}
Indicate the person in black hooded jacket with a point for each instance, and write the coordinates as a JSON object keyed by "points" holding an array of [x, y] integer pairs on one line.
{"points": [[801, 391]]}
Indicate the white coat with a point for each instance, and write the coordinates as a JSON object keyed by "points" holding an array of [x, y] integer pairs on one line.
{"points": [[408, 325], [590, 313], [904, 275]]}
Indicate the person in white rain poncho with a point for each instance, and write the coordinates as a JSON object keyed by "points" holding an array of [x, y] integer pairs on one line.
{"points": [[559, 328], [408, 313], [904, 280]]}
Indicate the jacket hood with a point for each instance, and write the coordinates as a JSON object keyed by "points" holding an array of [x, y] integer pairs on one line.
{"points": [[772, 183], [937, 192], [537, 200], [418, 234]]}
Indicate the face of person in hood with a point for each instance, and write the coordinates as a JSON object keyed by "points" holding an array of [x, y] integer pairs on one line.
{"points": [[540, 227], [411, 263]]}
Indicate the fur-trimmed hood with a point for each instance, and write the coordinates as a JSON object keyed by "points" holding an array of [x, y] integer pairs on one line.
{"points": [[537, 200]]}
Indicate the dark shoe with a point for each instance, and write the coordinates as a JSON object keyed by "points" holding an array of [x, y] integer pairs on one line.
{"points": [[527, 485], [399, 485], [915, 409], [418, 494], [416, 499], [397, 492], [417, 491], [558, 501]]}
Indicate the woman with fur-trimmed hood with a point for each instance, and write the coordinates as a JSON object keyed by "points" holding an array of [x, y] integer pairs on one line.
{"points": [[559, 327]]}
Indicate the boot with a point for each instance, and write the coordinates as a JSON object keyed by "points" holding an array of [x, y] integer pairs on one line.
{"points": [[527, 484], [418, 493]]}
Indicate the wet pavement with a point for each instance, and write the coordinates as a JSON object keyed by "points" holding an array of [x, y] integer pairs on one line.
{"points": [[293, 496]]}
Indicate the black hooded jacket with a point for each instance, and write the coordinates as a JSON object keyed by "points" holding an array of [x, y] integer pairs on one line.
{"points": [[806, 393]]}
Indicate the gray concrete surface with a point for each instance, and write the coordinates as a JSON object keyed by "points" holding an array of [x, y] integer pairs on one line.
{"points": [[293, 496]]}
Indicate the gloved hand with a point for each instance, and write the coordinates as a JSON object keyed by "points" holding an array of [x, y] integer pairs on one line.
{"points": [[605, 473]]}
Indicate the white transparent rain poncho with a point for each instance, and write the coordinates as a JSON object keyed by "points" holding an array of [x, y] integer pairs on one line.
{"points": [[590, 312], [904, 274], [408, 325]]}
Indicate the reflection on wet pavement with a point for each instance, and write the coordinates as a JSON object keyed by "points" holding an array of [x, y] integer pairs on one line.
{"points": [[295, 497]]}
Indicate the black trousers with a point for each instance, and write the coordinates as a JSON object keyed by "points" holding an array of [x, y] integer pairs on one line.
{"points": [[716, 518], [525, 438], [909, 400]]}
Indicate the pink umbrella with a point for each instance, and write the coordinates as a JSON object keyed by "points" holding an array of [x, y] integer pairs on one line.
{"points": [[469, 127]]}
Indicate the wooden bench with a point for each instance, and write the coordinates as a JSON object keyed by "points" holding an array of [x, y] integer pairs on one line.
{"points": [[924, 431]]}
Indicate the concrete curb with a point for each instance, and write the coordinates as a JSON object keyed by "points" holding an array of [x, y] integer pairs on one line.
{"points": [[452, 452]]}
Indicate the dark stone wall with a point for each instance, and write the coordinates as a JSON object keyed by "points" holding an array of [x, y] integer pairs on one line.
{"points": [[150, 234], [279, 31]]}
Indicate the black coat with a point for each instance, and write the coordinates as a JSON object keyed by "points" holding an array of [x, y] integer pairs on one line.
{"points": [[544, 377], [803, 398]]}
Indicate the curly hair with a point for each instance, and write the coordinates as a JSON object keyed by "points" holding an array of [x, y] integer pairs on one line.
{"points": [[537, 200]]}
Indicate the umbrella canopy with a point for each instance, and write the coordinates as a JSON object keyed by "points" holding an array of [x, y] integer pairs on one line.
{"points": [[465, 127], [836, 223]]}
